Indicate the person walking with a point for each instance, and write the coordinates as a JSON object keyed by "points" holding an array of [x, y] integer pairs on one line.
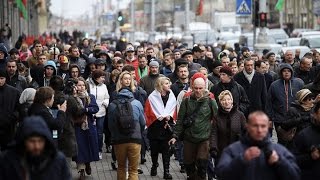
{"points": [[86, 130], [127, 146], [256, 157], [160, 112]]}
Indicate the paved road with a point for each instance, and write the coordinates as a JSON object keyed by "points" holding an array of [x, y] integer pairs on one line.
{"points": [[102, 170]]}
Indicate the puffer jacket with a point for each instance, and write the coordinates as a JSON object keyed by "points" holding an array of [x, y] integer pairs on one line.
{"points": [[138, 116], [101, 94], [200, 130]]}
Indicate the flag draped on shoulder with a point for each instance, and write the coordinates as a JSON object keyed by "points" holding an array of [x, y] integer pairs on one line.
{"points": [[154, 107]]}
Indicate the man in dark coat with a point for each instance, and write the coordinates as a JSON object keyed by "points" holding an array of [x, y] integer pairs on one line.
{"points": [[33, 155], [183, 82], [255, 157], [307, 144], [305, 71], [9, 104], [13, 78], [254, 84], [147, 82]]}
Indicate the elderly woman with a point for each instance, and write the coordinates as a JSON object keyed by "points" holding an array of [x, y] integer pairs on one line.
{"points": [[298, 117], [100, 92], [85, 129], [229, 126], [160, 113]]}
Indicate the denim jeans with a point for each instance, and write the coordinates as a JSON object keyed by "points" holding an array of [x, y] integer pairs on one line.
{"points": [[100, 124], [180, 152]]}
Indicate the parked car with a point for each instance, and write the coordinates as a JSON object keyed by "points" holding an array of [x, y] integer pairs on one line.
{"points": [[313, 42], [308, 33], [291, 42]]}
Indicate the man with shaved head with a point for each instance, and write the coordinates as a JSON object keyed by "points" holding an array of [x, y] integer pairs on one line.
{"points": [[256, 157], [289, 58], [193, 127]]}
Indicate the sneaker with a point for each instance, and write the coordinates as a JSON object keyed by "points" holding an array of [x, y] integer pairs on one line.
{"points": [[100, 155]]}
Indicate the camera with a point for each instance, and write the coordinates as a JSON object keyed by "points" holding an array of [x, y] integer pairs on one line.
{"points": [[267, 150], [70, 85]]}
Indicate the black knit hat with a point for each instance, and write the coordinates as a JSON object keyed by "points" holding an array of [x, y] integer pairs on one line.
{"points": [[3, 73], [216, 64]]}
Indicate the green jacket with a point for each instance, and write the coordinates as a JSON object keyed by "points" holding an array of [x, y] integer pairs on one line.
{"points": [[200, 130]]}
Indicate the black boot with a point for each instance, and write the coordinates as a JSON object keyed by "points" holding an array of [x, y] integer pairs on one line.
{"points": [[190, 169], [154, 158], [166, 166], [202, 165]]}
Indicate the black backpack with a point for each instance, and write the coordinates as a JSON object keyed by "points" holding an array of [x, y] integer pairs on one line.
{"points": [[124, 116]]}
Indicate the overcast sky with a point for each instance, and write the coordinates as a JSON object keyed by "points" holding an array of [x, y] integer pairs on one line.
{"points": [[75, 8]]}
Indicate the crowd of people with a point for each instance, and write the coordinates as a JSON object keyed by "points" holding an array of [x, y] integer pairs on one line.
{"points": [[213, 108]]}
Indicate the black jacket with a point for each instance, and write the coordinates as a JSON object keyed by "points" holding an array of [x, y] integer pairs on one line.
{"points": [[17, 81], [44, 112], [50, 165], [240, 98], [256, 91], [307, 76], [178, 86], [310, 136]]}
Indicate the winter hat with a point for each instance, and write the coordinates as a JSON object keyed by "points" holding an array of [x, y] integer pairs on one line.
{"points": [[223, 94], [196, 76], [27, 95], [187, 53], [99, 62], [3, 73], [227, 70], [269, 54], [130, 49], [154, 63], [303, 94], [216, 64]]}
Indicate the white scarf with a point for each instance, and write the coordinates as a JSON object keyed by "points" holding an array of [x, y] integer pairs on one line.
{"points": [[157, 105], [248, 76]]}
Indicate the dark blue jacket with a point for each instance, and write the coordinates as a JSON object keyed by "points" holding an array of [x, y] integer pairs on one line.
{"points": [[52, 164], [232, 165], [138, 115], [3, 62], [310, 136], [277, 104]]}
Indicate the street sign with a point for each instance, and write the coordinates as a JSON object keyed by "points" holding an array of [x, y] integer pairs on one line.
{"points": [[244, 7]]}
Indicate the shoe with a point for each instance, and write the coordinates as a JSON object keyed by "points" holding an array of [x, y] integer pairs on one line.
{"points": [[88, 168], [140, 171], [114, 165], [153, 171], [82, 174], [167, 175], [183, 169], [100, 155], [143, 160], [109, 149]]}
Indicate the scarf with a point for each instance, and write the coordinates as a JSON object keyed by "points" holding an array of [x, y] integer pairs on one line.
{"points": [[158, 108], [307, 107], [85, 96], [249, 77]]}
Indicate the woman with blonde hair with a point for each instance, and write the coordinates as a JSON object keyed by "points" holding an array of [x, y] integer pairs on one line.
{"points": [[230, 123], [160, 113]]}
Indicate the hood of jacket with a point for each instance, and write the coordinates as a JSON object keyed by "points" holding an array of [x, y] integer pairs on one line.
{"points": [[124, 94], [34, 125], [4, 50], [285, 66], [52, 64]]}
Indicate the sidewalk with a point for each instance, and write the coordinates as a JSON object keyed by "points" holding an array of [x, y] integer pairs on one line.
{"points": [[102, 170]]}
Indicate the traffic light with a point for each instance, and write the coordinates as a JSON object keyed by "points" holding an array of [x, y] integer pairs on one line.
{"points": [[256, 13], [120, 18], [263, 19]]}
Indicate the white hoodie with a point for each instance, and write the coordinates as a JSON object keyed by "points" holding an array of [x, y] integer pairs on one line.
{"points": [[101, 94]]}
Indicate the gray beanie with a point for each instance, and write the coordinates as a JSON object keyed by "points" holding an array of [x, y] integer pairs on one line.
{"points": [[154, 63]]}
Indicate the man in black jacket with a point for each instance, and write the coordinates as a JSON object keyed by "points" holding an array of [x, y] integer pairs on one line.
{"points": [[307, 144], [13, 78], [9, 104], [254, 84]]}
